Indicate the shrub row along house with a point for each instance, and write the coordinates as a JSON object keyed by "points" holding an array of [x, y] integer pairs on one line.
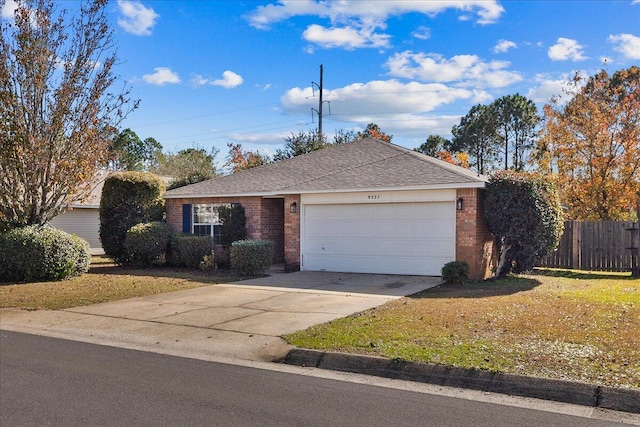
{"points": [[364, 207]]}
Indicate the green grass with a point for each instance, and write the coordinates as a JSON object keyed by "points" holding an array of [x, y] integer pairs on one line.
{"points": [[104, 282], [553, 323]]}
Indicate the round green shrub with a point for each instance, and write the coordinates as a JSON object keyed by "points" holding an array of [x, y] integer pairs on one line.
{"points": [[251, 257], [146, 244], [188, 250], [128, 198], [40, 253], [455, 272]]}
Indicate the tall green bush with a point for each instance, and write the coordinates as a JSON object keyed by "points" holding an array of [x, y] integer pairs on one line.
{"points": [[251, 257], [187, 250], [37, 253], [146, 243], [128, 198], [234, 223], [524, 214]]}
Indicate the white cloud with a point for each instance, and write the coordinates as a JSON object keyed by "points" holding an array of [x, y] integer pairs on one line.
{"points": [[345, 37], [504, 46], [566, 50], [464, 69], [161, 77], [259, 140], [422, 33], [357, 24], [229, 80], [627, 44], [559, 88], [487, 11], [377, 99], [198, 80], [398, 108], [137, 19], [8, 8]]}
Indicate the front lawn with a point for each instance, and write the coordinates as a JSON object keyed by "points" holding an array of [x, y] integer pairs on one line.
{"points": [[552, 323], [104, 282]]}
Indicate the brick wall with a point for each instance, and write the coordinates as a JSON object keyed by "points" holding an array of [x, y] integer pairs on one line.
{"points": [[292, 233], [264, 217], [474, 242], [273, 225]]}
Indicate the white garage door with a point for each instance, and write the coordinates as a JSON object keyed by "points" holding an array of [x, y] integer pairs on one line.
{"points": [[395, 238]]}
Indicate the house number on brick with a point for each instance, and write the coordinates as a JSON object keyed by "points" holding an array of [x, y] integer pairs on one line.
{"points": [[373, 196]]}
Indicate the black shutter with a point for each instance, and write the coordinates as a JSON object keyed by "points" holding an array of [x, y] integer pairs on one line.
{"points": [[186, 218]]}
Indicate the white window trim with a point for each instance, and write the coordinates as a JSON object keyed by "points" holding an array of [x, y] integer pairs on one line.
{"points": [[215, 219]]}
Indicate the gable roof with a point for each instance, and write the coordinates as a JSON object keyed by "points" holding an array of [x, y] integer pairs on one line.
{"points": [[366, 164]]}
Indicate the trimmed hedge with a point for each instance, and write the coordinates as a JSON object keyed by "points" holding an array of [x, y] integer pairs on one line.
{"points": [[40, 253], [128, 198], [146, 243], [187, 250], [251, 257], [455, 272]]}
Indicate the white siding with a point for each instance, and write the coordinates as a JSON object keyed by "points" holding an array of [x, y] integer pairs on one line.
{"points": [[82, 222]]}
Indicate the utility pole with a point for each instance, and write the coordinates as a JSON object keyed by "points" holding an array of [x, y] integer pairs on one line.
{"points": [[320, 102]]}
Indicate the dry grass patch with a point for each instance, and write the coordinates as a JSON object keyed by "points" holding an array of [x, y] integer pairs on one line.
{"points": [[104, 282], [555, 324]]}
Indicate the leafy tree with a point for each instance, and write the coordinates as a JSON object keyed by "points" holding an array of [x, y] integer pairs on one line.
{"points": [[239, 159], [433, 145], [344, 136], [306, 142], [58, 107], [516, 122], [187, 166], [129, 152], [459, 159], [476, 135], [302, 143], [374, 131], [593, 144], [524, 214]]}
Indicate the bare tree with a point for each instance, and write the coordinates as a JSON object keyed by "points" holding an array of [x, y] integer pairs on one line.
{"points": [[58, 111]]}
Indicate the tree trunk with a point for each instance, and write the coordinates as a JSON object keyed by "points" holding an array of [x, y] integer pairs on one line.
{"points": [[502, 259]]}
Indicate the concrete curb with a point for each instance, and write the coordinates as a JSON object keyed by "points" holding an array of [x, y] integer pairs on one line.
{"points": [[618, 399]]}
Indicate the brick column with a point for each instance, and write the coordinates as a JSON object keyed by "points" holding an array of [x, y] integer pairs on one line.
{"points": [[474, 242], [292, 233]]}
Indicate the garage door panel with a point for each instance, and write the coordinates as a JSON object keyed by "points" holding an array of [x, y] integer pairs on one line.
{"points": [[400, 238], [365, 264]]}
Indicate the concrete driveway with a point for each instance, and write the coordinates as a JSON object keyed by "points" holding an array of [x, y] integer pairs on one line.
{"points": [[241, 320]]}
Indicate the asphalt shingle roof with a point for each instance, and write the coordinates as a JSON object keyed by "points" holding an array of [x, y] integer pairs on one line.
{"points": [[361, 165]]}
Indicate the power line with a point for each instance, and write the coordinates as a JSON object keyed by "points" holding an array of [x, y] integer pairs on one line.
{"points": [[207, 115]]}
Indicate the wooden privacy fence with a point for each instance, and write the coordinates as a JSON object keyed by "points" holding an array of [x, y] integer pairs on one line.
{"points": [[593, 245]]}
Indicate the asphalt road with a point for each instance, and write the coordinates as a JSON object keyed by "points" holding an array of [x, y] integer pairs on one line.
{"points": [[48, 381]]}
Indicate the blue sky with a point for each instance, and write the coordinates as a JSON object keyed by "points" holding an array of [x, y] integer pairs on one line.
{"points": [[212, 72]]}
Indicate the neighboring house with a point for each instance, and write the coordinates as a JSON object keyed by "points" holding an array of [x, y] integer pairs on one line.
{"points": [[365, 207], [83, 218]]}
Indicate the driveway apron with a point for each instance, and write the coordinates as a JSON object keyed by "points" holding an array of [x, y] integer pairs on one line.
{"points": [[241, 320]]}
